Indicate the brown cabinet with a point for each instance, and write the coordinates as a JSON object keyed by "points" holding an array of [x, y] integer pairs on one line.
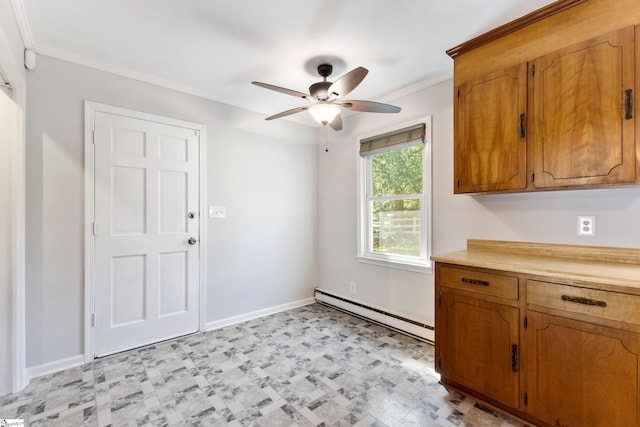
{"points": [[583, 127], [551, 340], [490, 139], [581, 374], [561, 118], [480, 346]]}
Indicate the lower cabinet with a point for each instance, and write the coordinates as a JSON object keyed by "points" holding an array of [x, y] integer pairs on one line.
{"points": [[550, 354], [482, 351], [581, 374]]}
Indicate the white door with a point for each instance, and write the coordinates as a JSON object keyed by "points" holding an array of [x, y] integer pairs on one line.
{"points": [[146, 258]]}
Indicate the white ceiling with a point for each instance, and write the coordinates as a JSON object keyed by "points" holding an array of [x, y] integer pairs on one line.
{"points": [[215, 48]]}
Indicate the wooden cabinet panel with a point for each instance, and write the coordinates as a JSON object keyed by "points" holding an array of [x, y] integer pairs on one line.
{"points": [[582, 134], [477, 281], [480, 348], [579, 374], [597, 303], [490, 141], [576, 321]]}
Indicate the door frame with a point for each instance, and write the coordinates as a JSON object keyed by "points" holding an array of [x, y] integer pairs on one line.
{"points": [[90, 109]]}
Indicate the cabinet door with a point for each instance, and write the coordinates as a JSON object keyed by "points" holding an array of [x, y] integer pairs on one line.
{"points": [[583, 133], [490, 137], [478, 346], [579, 374]]}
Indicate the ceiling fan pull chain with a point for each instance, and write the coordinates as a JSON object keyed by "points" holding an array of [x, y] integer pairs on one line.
{"points": [[326, 146]]}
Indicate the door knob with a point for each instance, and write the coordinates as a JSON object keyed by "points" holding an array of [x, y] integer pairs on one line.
{"points": [[191, 214], [192, 240]]}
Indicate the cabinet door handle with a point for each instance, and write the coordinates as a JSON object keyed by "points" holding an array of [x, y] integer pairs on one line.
{"points": [[514, 357], [475, 282], [523, 127], [585, 301], [628, 104]]}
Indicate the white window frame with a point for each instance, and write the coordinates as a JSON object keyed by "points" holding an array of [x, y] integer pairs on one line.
{"points": [[420, 264]]}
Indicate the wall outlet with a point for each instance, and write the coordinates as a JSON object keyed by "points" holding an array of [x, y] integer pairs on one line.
{"points": [[586, 226], [352, 287]]}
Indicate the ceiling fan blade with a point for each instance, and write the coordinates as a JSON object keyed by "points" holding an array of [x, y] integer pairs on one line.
{"points": [[336, 124], [283, 90], [369, 106], [347, 83], [287, 113]]}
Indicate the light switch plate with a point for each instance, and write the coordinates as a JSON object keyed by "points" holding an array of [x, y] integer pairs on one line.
{"points": [[217, 212]]}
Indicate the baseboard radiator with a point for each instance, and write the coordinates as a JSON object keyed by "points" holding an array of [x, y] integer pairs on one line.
{"points": [[393, 321]]}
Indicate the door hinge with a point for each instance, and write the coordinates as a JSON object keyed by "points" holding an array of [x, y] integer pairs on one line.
{"points": [[526, 399], [533, 69], [533, 177], [526, 322], [93, 137], [93, 320], [458, 183], [95, 229], [439, 363]]}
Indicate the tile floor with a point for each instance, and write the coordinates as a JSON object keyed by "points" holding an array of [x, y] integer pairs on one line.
{"points": [[311, 366]]}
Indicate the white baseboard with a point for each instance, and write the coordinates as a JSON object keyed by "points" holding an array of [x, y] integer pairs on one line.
{"points": [[55, 366], [377, 314], [222, 323]]}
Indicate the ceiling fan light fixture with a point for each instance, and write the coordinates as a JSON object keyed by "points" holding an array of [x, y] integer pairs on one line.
{"points": [[324, 112]]}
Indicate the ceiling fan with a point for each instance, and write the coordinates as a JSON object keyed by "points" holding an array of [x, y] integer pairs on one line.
{"points": [[326, 97]]}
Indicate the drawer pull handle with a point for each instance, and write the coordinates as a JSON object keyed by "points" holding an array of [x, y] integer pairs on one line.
{"points": [[585, 301], [475, 282]]}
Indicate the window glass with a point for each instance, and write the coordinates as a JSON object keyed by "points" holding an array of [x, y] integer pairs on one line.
{"points": [[393, 220]]}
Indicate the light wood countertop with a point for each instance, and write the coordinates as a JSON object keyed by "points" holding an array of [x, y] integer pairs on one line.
{"points": [[616, 269]]}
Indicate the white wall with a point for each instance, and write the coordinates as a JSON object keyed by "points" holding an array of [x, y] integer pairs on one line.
{"points": [[262, 255], [8, 137], [537, 217], [11, 203]]}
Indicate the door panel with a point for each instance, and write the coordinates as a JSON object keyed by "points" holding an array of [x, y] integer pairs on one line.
{"points": [[128, 283], [581, 374], [477, 349], [173, 289], [146, 272], [490, 147], [582, 133]]}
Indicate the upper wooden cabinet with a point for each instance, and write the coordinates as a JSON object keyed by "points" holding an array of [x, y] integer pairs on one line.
{"points": [[550, 106], [583, 127], [490, 149]]}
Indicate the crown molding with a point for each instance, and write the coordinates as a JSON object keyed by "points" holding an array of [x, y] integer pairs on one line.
{"points": [[418, 86], [23, 23], [114, 69]]}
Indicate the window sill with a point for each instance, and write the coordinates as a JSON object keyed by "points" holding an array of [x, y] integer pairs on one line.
{"points": [[415, 267]]}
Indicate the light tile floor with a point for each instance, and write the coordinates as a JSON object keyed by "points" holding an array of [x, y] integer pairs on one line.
{"points": [[311, 366]]}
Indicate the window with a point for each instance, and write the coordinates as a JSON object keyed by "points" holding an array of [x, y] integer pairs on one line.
{"points": [[395, 198]]}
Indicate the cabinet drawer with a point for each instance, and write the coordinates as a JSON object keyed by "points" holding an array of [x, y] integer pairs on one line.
{"points": [[476, 281], [593, 302]]}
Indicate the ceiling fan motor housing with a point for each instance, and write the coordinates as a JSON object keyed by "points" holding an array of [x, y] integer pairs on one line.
{"points": [[320, 90]]}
